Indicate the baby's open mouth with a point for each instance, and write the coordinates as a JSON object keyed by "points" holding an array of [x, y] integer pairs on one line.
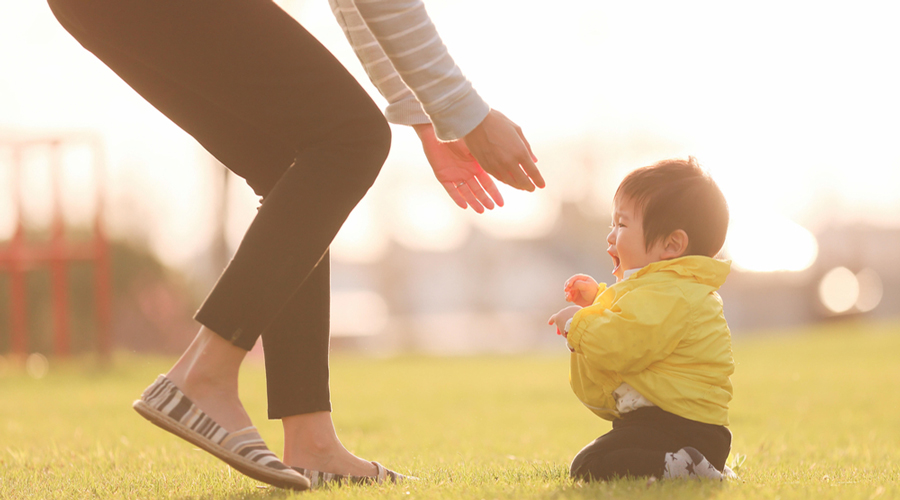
{"points": [[615, 259]]}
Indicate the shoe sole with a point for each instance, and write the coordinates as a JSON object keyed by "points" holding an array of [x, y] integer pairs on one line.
{"points": [[383, 475], [243, 465]]}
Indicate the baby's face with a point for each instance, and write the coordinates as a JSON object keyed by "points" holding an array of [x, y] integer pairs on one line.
{"points": [[626, 239]]}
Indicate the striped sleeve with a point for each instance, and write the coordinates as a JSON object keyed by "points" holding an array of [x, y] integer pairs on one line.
{"points": [[405, 58], [403, 107]]}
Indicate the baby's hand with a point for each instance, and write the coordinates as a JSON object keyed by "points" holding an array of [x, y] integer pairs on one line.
{"points": [[559, 319], [581, 290]]}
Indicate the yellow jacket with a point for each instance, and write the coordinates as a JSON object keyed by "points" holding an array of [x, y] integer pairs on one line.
{"points": [[663, 332]]}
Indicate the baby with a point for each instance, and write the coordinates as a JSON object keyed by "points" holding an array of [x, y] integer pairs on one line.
{"points": [[652, 352]]}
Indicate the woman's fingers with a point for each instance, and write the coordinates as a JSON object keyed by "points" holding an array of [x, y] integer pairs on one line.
{"points": [[531, 170], [502, 150], [520, 177], [478, 192], [529, 163], [488, 183], [466, 191], [469, 194], [527, 145], [455, 195], [484, 189]]}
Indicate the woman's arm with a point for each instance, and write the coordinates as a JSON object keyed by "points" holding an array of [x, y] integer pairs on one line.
{"points": [[403, 107], [406, 40], [405, 58]]}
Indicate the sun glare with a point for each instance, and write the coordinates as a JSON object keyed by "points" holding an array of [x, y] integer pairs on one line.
{"points": [[424, 220], [7, 206], [357, 313], [524, 215], [37, 208], [770, 242], [839, 290], [362, 239], [750, 107], [871, 290]]}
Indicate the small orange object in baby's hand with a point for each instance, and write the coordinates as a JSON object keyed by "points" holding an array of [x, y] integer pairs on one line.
{"points": [[581, 290]]}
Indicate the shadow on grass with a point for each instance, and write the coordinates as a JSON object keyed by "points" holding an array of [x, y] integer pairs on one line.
{"points": [[636, 488], [265, 493]]}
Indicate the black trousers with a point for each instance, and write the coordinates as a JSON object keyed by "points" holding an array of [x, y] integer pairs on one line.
{"points": [[273, 105], [638, 443]]}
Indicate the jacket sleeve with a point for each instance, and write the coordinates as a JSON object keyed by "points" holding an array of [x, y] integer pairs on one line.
{"points": [[640, 328], [405, 58]]}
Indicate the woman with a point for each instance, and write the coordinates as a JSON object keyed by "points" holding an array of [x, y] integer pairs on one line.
{"points": [[275, 107]]}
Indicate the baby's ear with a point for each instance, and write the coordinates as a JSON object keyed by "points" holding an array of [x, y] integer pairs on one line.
{"points": [[675, 244]]}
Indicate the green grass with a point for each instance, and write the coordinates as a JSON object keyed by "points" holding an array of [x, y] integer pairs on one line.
{"points": [[816, 415]]}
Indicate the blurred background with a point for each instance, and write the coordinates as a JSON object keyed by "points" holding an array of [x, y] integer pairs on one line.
{"points": [[792, 106]]}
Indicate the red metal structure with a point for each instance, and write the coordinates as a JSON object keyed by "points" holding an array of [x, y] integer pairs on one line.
{"points": [[21, 255]]}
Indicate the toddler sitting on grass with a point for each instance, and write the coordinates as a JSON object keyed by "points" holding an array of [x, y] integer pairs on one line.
{"points": [[652, 352]]}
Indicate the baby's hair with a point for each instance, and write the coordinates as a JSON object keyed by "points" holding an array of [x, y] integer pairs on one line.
{"points": [[678, 194]]}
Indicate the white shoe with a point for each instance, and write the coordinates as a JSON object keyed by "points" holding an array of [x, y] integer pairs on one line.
{"points": [[690, 463], [729, 474]]}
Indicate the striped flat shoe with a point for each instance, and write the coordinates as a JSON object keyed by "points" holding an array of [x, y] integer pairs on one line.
{"points": [[318, 479], [166, 406]]}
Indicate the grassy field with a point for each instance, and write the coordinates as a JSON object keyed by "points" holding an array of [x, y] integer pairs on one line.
{"points": [[816, 415]]}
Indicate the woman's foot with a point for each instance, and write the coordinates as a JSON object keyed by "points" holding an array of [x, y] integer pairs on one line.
{"points": [[310, 442], [207, 373]]}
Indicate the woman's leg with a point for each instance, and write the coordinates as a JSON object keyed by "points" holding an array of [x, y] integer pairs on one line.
{"points": [[298, 371], [259, 93], [207, 373], [298, 381]]}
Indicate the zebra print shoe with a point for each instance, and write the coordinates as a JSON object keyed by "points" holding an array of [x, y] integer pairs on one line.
{"points": [[166, 406], [318, 479]]}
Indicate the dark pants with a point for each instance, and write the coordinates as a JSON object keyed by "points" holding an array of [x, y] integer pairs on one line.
{"points": [[638, 443], [275, 107]]}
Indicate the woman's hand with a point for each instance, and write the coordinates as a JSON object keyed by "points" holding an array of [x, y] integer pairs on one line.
{"points": [[581, 289], [502, 150], [559, 319], [458, 171]]}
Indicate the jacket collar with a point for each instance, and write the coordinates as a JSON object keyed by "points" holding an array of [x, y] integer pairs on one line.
{"points": [[699, 268]]}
